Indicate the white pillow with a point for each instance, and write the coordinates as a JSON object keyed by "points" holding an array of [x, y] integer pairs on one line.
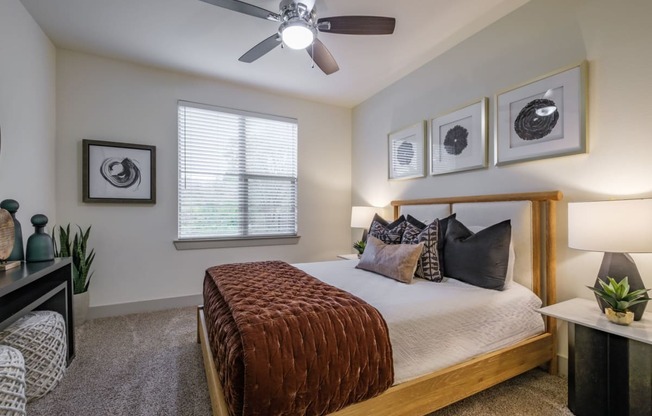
{"points": [[511, 260]]}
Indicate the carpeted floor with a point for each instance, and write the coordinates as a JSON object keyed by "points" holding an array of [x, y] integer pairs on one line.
{"points": [[150, 364], [135, 365]]}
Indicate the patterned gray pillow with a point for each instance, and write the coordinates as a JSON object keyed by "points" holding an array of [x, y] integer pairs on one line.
{"points": [[429, 264], [413, 228], [432, 264], [385, 232]]}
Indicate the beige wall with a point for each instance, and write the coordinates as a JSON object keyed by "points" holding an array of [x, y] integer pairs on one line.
{"points": [[105, 99], [27, 114], [538, 38]]}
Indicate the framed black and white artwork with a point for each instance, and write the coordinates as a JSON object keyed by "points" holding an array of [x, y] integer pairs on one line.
{"points": [[543, 118], [406, 152], [458, 139], [118, 172]]}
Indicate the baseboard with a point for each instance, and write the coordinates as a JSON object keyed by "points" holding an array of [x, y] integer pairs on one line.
{"points": [[144, 306], [563, 366]]}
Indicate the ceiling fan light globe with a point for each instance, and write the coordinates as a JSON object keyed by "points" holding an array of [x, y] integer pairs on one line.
{"points": [[297, 36]]}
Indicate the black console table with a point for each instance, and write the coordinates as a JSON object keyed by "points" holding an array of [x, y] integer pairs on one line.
{"points": [[38, 286]]}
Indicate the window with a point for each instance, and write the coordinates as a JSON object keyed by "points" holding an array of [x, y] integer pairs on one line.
{"points": [[237, 174]]}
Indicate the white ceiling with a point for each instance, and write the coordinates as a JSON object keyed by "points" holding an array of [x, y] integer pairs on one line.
{"points": [[199, 38]]}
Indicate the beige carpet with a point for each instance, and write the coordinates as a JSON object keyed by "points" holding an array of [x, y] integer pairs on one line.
{"points": [[150, 364], [135, 365]]}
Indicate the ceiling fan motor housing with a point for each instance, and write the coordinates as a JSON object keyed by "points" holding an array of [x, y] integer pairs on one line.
{"points": [[292, 6], [297, 14], [300, 26]]}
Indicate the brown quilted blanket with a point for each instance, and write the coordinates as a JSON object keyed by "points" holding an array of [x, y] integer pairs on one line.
{"points": [[286, 343]]}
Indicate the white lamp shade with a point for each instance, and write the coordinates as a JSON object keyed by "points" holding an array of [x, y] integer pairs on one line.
{"points": [[611, 226], [361, 216]]}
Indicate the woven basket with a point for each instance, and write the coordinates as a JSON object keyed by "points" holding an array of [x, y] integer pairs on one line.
{"points": [[12, 382], [41, 337]]}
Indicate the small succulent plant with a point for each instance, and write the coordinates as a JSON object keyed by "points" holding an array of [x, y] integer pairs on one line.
{"points": [[617, 294]]}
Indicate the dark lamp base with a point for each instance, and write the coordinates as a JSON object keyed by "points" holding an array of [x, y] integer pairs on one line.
{"points": [[618, 266]]}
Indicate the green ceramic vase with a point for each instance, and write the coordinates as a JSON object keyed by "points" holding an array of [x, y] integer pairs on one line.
{"points": [[39, 244]]}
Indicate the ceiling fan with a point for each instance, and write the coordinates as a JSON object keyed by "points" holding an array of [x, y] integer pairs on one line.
{"points": [[300, 26]]}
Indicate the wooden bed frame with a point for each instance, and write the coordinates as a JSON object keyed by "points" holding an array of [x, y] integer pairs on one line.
{"points": [[449, 385]]}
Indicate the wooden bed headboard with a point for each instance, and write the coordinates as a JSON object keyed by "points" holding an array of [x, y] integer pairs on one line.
{"points": [[543, 232]]}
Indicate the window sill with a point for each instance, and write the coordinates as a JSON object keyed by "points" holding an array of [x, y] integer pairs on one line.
{"points": [[207, 243]]}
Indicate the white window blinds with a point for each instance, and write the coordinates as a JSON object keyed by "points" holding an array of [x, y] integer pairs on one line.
{"points": [[237, 173]]}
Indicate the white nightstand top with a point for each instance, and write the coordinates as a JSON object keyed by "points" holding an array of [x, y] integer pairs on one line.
{"points": [[348, 256], [586, 312]]}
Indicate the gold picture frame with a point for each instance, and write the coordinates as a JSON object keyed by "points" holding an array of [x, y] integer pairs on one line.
{"points": [[458, 139], [542, 118], [406, 151]]}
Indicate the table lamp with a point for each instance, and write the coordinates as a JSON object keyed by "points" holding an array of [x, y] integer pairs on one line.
{"points": [[361, 218], [616, 228]]}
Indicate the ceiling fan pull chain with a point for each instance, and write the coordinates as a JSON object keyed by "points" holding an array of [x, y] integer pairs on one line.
{"points": [[312, 54]]}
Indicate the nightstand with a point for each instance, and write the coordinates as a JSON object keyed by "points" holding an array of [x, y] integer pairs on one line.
{"points": [[609, 365], [348, 256]]}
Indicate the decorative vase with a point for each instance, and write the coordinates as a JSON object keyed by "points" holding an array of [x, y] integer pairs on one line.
{"points": [[620, 318], [6, 240], [39, 244], [17, 253], [80, 307]]}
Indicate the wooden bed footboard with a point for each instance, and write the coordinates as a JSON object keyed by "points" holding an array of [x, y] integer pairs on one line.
{"points": [[442, 388], [424, 394], [218, 404]]}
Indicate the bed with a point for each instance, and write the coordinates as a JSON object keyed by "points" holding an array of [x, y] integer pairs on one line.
{"points": [[454, 376]]}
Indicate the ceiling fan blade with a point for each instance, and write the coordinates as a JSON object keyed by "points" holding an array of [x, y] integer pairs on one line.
{"points": [[261, 49], [322, 57], [357, 25], [246, 8]]}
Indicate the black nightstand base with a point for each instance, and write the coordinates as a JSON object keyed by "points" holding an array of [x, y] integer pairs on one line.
{"points": [[608, 374]]}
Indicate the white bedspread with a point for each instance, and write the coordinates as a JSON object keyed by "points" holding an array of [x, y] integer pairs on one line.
{"points": [[436, 325]]}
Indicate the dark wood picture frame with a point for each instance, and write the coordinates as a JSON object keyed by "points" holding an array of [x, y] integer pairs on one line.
{"points": [[118, 178]]}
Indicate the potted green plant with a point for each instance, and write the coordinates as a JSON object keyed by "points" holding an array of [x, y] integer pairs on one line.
{"points": [[81, 265], [359, 246], [619, 299]]}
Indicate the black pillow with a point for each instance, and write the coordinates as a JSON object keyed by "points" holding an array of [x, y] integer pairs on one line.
{"points": [[386, 232], [443, 227], [478, 259]]}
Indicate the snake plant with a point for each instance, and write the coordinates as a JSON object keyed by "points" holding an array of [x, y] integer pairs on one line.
{"points": [[81, 261]]}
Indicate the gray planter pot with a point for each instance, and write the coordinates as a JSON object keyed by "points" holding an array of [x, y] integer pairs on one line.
{"points": [[80, 308]]}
